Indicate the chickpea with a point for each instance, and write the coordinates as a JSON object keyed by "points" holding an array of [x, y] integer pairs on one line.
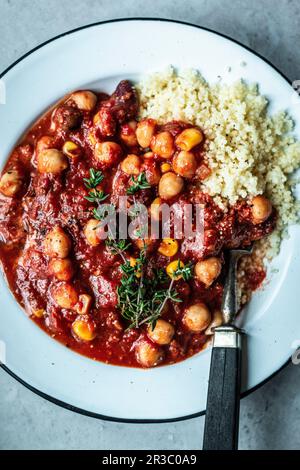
{"points": [[155, 210], [197, 317], [91, 232], [84, 329], [148, 355], [145, 131], [128, 135], [131, 165], [62, 269], [10, 183], [57, 243], [44, 143], [152, 172], [84, 304], [65, 295], [71, 149], [51, 161], [162, 144], [170, 185], [162, 333], [185, 164], [208, 270], [84, 100], [261, 209], [189, 138], [217, 320], [107, 153]]}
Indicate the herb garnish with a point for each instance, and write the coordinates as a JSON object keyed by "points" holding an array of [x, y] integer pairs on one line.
{"points": [[117, 246], [143, 291], [141, 298], [103, 211], [95, 195], [139, 183], [96, 177], [185, 271]]}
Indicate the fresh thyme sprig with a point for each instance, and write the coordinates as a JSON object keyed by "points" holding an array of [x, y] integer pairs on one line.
{"points": [[132, 290], [143, 291], [141, 298], [139, 183], [160, 298], [186, 271], [117, 246], [96, 196], [96, 177], [103, 211]]}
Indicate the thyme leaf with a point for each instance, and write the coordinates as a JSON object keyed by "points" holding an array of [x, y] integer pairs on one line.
{"points": [[186, 271], [137, 184], [96, 196], [96, 177], [117, 246]]}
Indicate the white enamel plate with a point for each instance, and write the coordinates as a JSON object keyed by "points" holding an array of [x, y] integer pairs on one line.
{"points": [[98, 56]]}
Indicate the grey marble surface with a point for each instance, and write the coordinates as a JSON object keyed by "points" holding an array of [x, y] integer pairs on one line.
{"points": [[270, 417]]}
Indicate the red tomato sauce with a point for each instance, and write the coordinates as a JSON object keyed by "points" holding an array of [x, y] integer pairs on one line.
{"points": [[46, 199]]}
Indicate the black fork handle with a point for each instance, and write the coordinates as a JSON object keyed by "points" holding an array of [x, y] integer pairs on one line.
{"points": [[223, 397]]}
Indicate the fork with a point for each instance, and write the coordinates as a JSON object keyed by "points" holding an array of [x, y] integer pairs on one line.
{"points": [[223, 396]]}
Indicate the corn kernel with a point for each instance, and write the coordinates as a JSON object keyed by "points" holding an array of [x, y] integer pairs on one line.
{"points": [[71, 149], [132, 262], [39, 313], [168, 247], [165, 167], [172, 268], [189, 138], [84, 330]]}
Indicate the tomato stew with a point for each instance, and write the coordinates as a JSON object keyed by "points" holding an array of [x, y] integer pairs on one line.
{"points": [[139, 302]]}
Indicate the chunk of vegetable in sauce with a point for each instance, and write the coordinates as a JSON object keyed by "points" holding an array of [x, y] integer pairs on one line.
{"points": [[57, 243], [197, 317]]}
